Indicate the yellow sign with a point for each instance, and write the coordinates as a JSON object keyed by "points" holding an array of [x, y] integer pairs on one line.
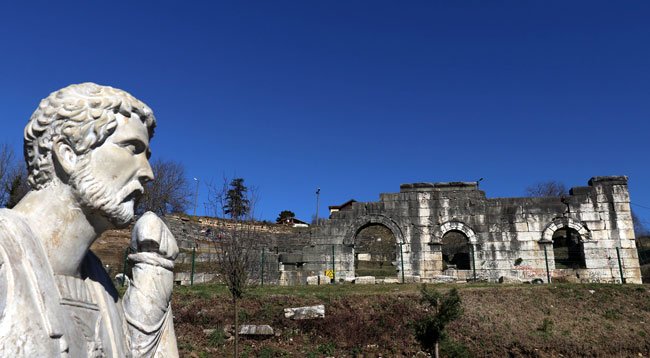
{"points": [[330, 274]]}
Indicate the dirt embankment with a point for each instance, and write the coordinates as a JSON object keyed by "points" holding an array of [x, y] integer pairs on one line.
{"points": [[498, 321]]}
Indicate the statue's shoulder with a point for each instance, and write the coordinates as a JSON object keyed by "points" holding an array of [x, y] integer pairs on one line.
{"points": [[26, 315], [12, 230], [12, 224], [16, 238]]}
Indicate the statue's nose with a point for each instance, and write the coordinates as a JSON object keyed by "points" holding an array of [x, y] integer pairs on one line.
{"points": [[146, 173]]}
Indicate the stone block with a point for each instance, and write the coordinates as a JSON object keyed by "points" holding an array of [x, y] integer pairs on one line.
{"points": [[389, 280], [256, 330], [411, 279], [365, 280], [521, 226], [307, 312], [363, 257], [318, 280], [441, 279], [509, 279]]}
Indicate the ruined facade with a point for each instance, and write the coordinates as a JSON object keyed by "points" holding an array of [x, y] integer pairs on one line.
{"points": [[586, 236]]}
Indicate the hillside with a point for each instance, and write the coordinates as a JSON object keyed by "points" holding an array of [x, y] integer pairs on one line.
{"points": [[498, 321]]}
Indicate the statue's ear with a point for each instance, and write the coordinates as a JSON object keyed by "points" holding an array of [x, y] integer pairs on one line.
{"points": [[64, 157]]}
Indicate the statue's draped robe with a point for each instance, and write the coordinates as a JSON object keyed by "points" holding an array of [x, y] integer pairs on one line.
{"points": [[47, 315]]}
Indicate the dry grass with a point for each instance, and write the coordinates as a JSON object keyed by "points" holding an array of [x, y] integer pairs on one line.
{"points": [[541, 321]]}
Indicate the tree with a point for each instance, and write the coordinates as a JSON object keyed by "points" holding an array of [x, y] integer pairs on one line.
{"points": [[16, 187], [218, 198], [547, 188], [285, 215], [639, 227], [237, 202], [169, 192], [236, 258], [6, 167], [430, 329], [13, 178]]}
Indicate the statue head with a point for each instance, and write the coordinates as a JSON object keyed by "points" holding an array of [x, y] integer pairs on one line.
{"points": [[95, 139]]}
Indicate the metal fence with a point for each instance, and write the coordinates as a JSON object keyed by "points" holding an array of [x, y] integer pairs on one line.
{"points": [[549, 262]]}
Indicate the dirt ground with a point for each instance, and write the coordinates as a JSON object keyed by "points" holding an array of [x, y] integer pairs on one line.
{"points": [[567, 320]]}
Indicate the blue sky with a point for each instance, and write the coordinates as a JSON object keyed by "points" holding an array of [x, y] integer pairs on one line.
{"points": [[356, 97]]}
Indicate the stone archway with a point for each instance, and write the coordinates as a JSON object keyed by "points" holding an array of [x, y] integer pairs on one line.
{"points": [[454, 246], [558, 223], [375, 252], [353, 229], [456, 226]]}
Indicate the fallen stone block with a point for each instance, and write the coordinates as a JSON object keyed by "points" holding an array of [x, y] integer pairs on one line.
{"points": [[255, 330], [318, 280], [509, 279], [441, 279], [412, 279], [365, 280], [391, 280], [208, 331], [308, 312]]}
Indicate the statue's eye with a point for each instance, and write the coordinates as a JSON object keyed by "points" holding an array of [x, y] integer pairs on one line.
{"points": [[134, 146]]}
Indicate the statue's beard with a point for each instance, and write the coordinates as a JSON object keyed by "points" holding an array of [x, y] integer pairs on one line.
{"points": [[117, 207]]}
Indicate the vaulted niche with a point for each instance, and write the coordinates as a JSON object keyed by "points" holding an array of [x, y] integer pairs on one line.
{"points": [[375, 252], [568, 250], [455, 251]]}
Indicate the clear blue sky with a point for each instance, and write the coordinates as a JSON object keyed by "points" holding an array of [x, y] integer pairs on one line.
{"points": [[356, 97]]}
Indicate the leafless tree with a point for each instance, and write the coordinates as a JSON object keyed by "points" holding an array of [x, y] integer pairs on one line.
{"points": [[238, 244], [547, 188], [169, 192], [237, 248], [16, 186], [639, 227], [13, 178]]}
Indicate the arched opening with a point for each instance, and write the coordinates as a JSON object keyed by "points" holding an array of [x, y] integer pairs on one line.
{"points": [[456, 251], [375, 252], [568, 249]]}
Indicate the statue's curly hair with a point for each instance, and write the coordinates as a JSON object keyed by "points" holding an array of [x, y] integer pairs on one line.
{"points": [[83, 115]]}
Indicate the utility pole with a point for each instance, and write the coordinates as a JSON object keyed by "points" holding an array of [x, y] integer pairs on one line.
{"points": [[196, 200], [317, 203], [196, 196]]}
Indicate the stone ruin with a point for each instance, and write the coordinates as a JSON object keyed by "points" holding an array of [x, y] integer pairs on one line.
{"points": [[449, 232], [581, 237]]}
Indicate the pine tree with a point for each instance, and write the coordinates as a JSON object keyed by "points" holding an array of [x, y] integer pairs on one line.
{"points": [[237, 202], [284, 216]]}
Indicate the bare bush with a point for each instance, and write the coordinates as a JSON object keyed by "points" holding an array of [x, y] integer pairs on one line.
{"points": [[13, 178], [547, 188], [169, 192]]}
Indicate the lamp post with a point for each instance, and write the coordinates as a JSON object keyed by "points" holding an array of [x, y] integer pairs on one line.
{"points": [[196, 200], [317, 203], [196, 196]]}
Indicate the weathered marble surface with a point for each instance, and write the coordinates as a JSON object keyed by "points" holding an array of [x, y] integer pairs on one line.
{"points": [[86, 148]]}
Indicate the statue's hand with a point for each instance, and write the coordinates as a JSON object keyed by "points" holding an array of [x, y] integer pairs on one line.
{"points": [[150, 234]]}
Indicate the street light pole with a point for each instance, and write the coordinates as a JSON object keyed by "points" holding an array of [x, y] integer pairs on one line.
{"points": [[317, 203], [196, 196]]}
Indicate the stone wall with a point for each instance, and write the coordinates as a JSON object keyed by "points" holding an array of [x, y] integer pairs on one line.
{"points": [[507, 235]]}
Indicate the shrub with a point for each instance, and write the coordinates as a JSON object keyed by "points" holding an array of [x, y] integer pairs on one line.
{"points": [[430, 329]]}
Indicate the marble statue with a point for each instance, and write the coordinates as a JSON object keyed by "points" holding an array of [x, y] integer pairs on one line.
{"points": [[87, 149]]}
